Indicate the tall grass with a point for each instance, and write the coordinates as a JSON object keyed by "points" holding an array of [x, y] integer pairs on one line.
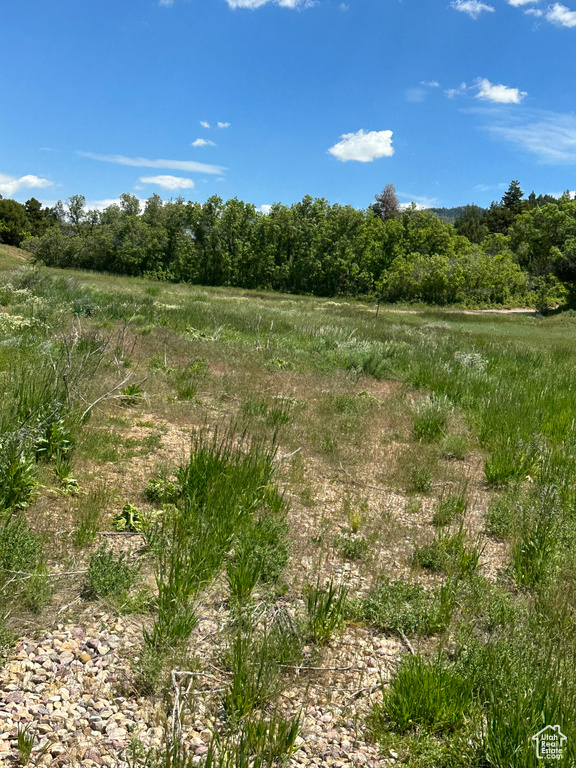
{"points": [[228, 498], [425, 694]]}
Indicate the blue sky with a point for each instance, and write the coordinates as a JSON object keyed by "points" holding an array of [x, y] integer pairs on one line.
{"points": [[270, 100]]}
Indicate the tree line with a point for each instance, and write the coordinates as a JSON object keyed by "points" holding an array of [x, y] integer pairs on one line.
{"points": [[517, 250]]}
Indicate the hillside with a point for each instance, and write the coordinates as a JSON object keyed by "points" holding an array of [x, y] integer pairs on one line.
{"points": [[11, 256], [448, 214], [289, 500]]}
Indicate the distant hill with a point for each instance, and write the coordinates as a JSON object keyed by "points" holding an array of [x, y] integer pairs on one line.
{"points": [[448, 214]]}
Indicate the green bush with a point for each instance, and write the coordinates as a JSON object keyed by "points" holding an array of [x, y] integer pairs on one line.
{"points": [[350, 546], [162, 490], [109, 575], [18, 481], [472, 276], [398, 606], [21, 550], [448, 552]]}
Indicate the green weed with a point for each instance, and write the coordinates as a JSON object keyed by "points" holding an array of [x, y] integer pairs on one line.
{"points": [[450, 506], [421, 480], [129, 519], [455, 447], [21, 550], [132, 395], [351, 546], [255, 676], [88, 515], [425, 694], [448, 552], [227, 495], [26, 738], [429, 419], [326, 611], [162, 490]]}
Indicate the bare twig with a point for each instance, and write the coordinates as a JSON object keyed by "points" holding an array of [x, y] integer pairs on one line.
{"points": [[407, 643], [289, 455], [304, 668], [65, 607], [105, 395], [367, 689], [180, 693]]}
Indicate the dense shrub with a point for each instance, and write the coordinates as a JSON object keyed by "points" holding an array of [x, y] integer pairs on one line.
{"points": [[473, 277]]}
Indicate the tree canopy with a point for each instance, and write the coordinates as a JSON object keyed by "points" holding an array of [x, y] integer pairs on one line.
{"points": [[494, 255]]}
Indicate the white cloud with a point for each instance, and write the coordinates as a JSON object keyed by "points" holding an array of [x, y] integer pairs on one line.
{"points": [[560, 15], [550, 136], [415, 94], [203, 143], [265, 208], [490, 187], [11, 185], [452, 92], [101, 205], [223, 125], [168, 182], [518, 3], [204, 124], [253, 4], [420, 201], [166, 3], [189, 166], [472, 7], [363, 146], [499, 94], [430, 83], [534, 12]]}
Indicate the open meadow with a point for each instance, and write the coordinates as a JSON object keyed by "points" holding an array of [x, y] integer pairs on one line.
{"points": [[244, 528]]}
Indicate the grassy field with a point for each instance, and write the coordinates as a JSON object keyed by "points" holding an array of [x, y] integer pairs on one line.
{"points": [[304, 473]]}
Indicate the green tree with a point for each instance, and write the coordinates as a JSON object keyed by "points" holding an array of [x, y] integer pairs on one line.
{"points": [[512, 198], [76, 211], [544, 239], [14, 222], [470, 224], [501, 216], [36, 216]]}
